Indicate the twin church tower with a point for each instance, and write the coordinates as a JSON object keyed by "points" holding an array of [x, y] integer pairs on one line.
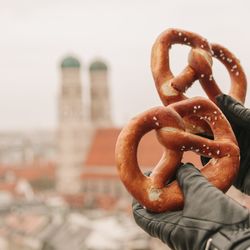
{"points": [[75, 127]]}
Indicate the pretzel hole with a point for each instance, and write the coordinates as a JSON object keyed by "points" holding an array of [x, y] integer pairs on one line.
{"points": [[221, 76], [178, 60], [150, 152], [195, 90], [178, 55]]}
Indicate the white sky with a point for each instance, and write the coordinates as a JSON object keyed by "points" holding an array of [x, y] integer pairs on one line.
{"points": [[36, 34]]}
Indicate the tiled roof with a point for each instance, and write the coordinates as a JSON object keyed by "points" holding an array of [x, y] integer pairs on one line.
{"points": [[9, 187], [29, 172], [102, 150], [26, 223], [98, 176], [74, 200]]}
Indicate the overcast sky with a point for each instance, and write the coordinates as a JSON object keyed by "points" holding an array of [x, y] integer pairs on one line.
{"points": [[36, 34]]}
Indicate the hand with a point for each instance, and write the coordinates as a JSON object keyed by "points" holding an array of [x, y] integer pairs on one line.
{"points": [[207, 214], [239, 117]]}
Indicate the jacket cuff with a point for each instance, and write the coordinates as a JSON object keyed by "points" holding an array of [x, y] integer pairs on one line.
{"points": [[230, 240]]}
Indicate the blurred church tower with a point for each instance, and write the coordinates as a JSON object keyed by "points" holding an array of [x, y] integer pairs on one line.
{"points": [[99, 95], [71, 139], [75, 130]]}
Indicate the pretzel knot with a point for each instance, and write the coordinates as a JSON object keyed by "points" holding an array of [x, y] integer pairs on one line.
{"points": [[168, 123], [171, 88]]}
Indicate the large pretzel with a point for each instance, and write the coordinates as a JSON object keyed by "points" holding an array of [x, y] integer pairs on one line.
{"points": [[168, 123], [171, 88], [199, 68]]}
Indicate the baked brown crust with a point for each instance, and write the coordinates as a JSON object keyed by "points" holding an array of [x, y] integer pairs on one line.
{"points": [[172, 88], [160, 66], [168, 123]]}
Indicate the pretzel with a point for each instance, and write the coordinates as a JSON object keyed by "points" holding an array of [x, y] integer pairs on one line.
{"points": [[168, 123], [160, 62], [171, 88], [203, 72], [238, 78]]}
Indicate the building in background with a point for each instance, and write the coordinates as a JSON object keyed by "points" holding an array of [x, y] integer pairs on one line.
{"points": [[72, 135], [65, 152], [60, 189], [100, 95], [78, 157], [75, 129], [76, 160]]}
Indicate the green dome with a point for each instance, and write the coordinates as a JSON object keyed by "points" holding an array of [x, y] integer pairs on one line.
{"points": [[70, 62], [98, 65]]}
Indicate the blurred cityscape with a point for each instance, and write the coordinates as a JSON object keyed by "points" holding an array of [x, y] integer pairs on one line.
{"points": [[59, 189]]}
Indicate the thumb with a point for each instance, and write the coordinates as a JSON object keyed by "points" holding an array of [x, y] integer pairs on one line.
{"points": [[234, 110], [200, 196], [191, 180]]}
